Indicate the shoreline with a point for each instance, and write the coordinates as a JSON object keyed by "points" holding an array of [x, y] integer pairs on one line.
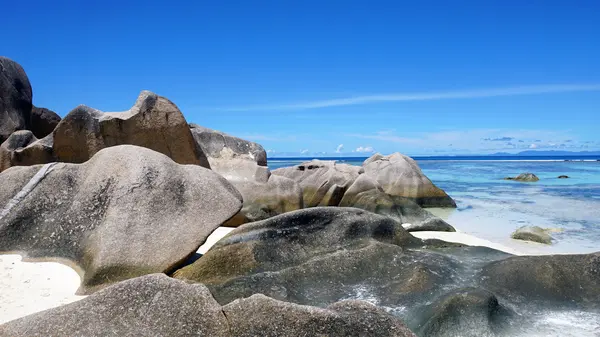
{"points": [[29, 286]]}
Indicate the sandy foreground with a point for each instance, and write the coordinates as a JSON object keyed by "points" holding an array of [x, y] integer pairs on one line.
{"points": [[30, 287]]}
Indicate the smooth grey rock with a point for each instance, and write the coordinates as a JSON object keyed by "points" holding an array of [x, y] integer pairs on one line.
{"points": [[153, 122], [317, 177], [22, 148], [151, 305], [524, 177], [43, 121], [128, 211], [468, 312], [15, 98], [232, 157], [264, 200], [367, 194], [318, 256], [260, 315], [532, 233], [400, 176], [217, 144], [555, 281], [156, 305]]}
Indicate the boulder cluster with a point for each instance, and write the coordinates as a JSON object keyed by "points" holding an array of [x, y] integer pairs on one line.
{"points": [[320, 248]]}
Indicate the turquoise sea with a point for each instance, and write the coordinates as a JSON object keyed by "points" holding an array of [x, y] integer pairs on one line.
{"points": [[492, 208]]}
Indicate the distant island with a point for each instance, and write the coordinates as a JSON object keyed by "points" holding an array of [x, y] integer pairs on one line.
{"points": [[549, 153]]}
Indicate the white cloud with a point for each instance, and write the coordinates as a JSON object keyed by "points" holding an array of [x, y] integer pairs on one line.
{"points": [[339, 148], [424, 96], [305, 151], [533, 146], [364, 149]]}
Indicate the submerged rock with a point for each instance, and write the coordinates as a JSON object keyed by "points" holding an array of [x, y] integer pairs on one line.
{"points": [[532, 233], [555, 281], [128, 211], [524, 177], [156, 305], [400, 176], [15, 98], [465, 312]]}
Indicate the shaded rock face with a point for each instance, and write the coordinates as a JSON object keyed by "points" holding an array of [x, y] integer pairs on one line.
{"points": [[400, 176], [15, 98], [22, 148], [264, 200], [153, 122], [43, 121], [524, 177], [156, 305], [263, 316], [218, 145], [321, 255], [244, 164], [320, 180], [465, 312], [128, 211], [532, 233], [557, 280]]}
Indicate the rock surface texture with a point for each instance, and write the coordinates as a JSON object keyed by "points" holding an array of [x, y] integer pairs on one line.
{"points": [[15, 98], [327, 183], [128, 211], [156, 305], [532, 233], [524, 177], [400, 176], [43, 121]]}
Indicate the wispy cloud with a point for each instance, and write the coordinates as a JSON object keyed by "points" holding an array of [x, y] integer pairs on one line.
{"points": [[339, 148], [364, 149], [501, 139], [422, 96]]}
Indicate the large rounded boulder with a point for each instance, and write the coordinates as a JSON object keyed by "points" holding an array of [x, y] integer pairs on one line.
{"points": [[43, 121], [400, 176], [126, 212], [15, 98], [323, 182], [153, 122], [365, 193], [156, 305], [263, 200], [22, 148], [555, 280], [318, 256], [231, 156]]}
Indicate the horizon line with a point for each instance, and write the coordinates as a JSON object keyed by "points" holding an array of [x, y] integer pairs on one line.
{"points": [[422, 96]]}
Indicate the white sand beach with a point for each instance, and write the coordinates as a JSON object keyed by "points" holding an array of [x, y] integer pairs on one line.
{"points": [[30, 287]]}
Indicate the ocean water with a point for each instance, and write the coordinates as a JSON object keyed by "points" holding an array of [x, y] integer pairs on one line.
{"points": [[492, 208]]}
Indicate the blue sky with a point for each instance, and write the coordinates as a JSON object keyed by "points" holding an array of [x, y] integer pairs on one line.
{"points": [[419, 77]]}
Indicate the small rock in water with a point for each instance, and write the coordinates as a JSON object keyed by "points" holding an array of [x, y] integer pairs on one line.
{"points": [[532, 233], [526, 177], [563, 177]]}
